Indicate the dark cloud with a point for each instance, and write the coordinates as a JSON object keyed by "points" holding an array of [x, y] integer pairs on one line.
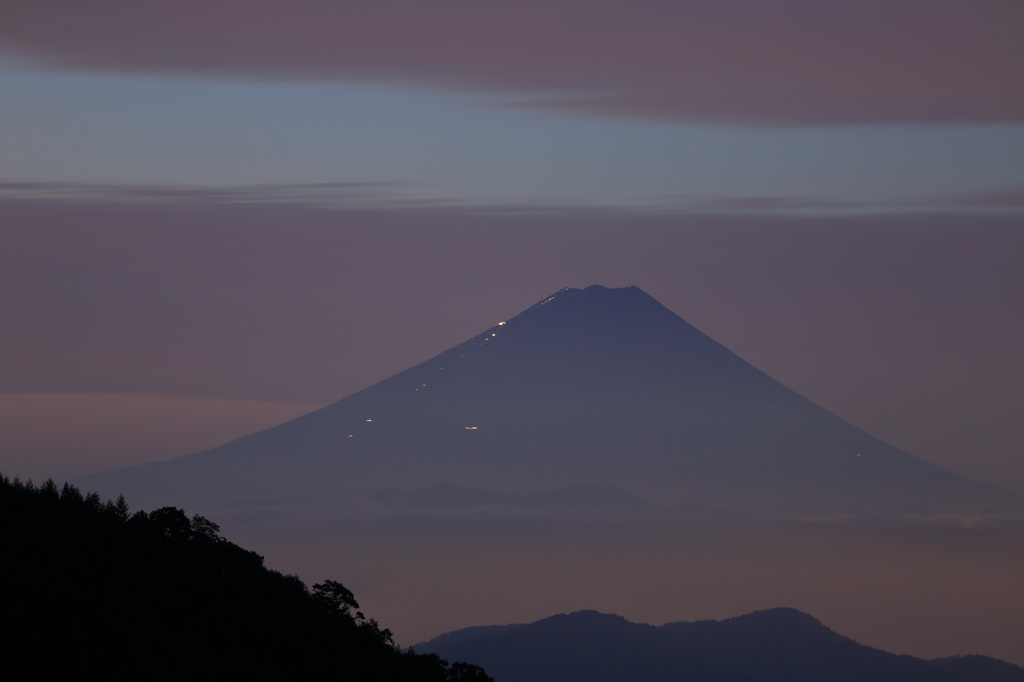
{"points": [[330, 193], [392, 197], [746, 62]]}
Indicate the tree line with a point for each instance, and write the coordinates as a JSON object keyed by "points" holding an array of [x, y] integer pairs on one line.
{"points": [[90, 588]]}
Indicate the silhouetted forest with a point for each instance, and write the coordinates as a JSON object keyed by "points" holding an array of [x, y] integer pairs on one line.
{"points": [[92, 591]]}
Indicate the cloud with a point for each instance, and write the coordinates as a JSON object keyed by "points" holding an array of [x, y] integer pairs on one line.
{"points": [[404, 197], [65, 435], [1007, 198], [337, 194], [791, 62]]}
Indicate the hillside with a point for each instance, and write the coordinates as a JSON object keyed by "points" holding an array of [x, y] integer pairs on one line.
{"points": [[776, 645], [94, 592]]}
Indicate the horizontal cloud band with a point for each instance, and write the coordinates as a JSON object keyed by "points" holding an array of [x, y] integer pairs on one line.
{"points": [[791, 62]]}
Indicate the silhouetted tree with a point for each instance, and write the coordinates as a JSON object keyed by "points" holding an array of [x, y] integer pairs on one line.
{"points": [[335, 597], [93, 591], [49, 489], [467, 672]]}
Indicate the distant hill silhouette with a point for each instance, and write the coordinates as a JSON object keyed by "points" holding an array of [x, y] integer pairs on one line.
{"points": [[91, 592], [777, 645], [604, 387], [448, 496]]}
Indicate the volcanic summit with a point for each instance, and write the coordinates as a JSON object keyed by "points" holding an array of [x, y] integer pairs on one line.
{"points": [[595, 386]]}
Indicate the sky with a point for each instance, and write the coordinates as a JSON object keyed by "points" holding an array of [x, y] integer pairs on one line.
{"points": [[218, 215]]}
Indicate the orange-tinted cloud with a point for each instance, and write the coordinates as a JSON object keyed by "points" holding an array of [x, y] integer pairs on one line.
{"points": [[746, 61], [64, 435]]}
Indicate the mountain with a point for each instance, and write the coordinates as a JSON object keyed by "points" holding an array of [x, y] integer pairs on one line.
{"points": [[774, 645], [448, 496], [596, 386]]}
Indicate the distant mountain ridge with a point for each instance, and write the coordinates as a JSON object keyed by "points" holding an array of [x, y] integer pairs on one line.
{"points": [[596, 386], [449, 496], [775, 645]]}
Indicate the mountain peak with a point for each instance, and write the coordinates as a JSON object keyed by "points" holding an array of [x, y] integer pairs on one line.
{"points": [[599, 386], [594, 295], [598, 291], [623, 322], [595, 289]]}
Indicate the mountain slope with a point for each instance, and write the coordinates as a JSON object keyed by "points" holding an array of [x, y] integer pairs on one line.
{"points": [[766, 646], [597, 386], [93, 592], [448, 496]]}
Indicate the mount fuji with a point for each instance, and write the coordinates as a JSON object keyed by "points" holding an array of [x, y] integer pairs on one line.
{"points": [[596, 387]]}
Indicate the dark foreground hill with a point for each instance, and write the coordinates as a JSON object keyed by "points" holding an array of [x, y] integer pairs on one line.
{"points": [[777, 645], [603, 387], [91, 592]]}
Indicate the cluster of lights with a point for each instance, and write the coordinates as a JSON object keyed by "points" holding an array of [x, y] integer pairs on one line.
{"points": [[352, 435], [427, 382]]}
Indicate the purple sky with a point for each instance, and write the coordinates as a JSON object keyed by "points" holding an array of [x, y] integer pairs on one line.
{"points": [[906, 325], [285, 202], [217, 215]]}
